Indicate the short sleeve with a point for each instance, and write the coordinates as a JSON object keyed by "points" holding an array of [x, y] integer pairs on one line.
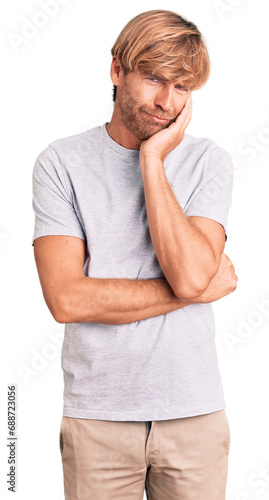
{"points": [[52, 199], [214, 196]]}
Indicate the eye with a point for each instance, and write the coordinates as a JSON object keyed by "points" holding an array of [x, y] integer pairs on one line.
{"points": [[152, 78], [178, 87]]}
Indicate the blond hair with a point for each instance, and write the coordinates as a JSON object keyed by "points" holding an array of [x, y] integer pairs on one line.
{"points": [[164, 44]]}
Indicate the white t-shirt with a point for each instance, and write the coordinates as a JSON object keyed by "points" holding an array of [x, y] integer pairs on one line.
{"points": [[164, 367]]}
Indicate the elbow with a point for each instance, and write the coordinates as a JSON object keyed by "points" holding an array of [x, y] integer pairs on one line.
{"points": [[192, 290], [188, 293], [191, 287], [59, 317], [58, 314], [60, 309]]}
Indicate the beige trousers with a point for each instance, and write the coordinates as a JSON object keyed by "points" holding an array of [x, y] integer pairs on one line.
{"points": [[179, 459]]}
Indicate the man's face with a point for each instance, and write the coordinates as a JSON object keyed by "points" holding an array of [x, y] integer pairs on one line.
{"points": [[148, 105]]}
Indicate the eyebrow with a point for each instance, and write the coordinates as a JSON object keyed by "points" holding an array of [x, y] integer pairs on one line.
{"points": [[159, 79], [179, 85]]}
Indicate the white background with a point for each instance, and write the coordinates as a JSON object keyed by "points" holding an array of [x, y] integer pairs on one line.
{"points": [[57, 84]]}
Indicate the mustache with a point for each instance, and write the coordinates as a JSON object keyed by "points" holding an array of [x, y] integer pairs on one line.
{"points": [[157, 112]]}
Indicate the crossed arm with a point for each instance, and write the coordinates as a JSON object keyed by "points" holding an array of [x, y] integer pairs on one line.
{"points": [[189, 250], [74, 298]]}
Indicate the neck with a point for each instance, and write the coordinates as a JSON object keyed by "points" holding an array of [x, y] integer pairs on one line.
{"points": [[120, 133]]}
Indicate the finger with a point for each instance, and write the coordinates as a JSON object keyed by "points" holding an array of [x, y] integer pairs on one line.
{"points": [[186, 110], [187, 120], [186, 106], [184, 117], [188, 117], [185, 114]]}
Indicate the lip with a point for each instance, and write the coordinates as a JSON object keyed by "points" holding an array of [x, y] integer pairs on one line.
{"points": [[156, 119]]}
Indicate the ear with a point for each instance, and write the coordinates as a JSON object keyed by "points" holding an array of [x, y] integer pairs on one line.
{"points": [[116, 71]]}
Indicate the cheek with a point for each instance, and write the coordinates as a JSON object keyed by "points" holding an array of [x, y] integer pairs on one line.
{"points": [[146, 96], [180, 103]]}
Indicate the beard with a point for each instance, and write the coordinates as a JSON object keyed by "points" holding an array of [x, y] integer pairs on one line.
{"points": [[135, 118]]}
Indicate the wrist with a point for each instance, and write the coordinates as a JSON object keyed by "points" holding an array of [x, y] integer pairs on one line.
{"points": [[150, 162]]}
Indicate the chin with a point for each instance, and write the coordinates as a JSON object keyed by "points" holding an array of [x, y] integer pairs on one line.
{"points": [[156, 131], [145, 134]]}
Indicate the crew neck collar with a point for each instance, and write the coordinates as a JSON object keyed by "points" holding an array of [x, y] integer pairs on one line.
{"points": [[130, 153]]}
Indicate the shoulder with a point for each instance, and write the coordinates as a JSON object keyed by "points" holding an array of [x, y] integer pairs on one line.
{"points": [[201, 156], [213, 156], [68, 151], [77, 140]]}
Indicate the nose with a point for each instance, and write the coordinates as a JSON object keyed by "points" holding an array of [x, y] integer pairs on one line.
{"points": [[164, 97]]}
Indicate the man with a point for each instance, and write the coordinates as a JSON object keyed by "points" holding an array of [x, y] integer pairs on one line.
{"points": [[130, 230]]}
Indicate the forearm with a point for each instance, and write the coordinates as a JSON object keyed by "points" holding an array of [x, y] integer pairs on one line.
{"points": [[183, 252], [116, 301]]}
